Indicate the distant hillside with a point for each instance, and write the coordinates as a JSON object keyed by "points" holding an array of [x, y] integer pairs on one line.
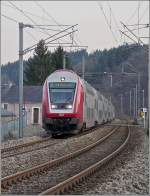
{"points": [[98, 62]]}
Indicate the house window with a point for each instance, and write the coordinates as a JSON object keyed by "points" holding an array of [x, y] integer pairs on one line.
{"points": [[36, 115], [5, 106]]}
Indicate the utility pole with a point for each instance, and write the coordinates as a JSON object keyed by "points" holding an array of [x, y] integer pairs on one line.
{"points": [[139, 87], [121, 96], [138, 19], [111, 80], [134, 102], [143, 97], [64, 61], [136, 92], [83, 67], [110, 85], [130, 102], [21, 26]]}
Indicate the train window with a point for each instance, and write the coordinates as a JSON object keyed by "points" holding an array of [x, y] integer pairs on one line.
{"points": [[61, 96], [62, 93], [56, 85]]}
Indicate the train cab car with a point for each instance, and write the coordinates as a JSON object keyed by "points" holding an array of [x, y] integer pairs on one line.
{"points": [[70, 104], [62, 105]]}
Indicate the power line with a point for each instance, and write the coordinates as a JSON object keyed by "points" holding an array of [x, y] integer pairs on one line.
{"points": [[52, 36], [9, 18], [139, 40], [51, 17], [137, 24], [31, 35], [114, 18], [48, 29], [128, 36], [137, 28], [27, 12], [144, 12], [27, 50], [20, 10], [113, 15], [99, 4], [134, 13]]}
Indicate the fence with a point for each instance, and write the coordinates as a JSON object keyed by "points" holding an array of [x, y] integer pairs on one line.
{"points": [[10, 129]]}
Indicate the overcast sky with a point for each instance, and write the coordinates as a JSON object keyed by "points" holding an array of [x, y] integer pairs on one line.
{"points": [[93, 30]]}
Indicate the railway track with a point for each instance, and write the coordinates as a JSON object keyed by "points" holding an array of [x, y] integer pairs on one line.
{"points": [[26, 147], [37, 172], [35, 145]]}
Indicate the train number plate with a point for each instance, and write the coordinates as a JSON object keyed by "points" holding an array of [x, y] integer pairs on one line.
{"points": [[61, 114]]}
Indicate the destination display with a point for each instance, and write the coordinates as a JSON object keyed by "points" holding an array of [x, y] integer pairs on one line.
{"points": [[62, 85]]}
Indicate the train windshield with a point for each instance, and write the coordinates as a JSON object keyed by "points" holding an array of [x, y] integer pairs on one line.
{"points": [[62, 92]]}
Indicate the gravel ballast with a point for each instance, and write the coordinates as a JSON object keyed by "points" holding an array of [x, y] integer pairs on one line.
{"points": [[21, 162], [57, 174], [128, 173]]}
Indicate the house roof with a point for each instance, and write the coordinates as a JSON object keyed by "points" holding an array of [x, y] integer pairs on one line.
{"points": [[31, 94]]}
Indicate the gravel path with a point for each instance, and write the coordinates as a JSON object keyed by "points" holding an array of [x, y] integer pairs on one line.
{"points": [[39, 183], [128, 173], [18, 163]]}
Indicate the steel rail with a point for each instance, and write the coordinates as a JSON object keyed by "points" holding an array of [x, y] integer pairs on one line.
{"points": [[26, 151], [23, 145], [27, 144], [76, 179], [8, 180]]}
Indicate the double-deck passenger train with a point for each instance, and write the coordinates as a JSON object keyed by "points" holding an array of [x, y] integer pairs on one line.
{"points": [[70, 104]]}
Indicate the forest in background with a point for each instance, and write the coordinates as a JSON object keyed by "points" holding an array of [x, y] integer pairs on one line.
{"points": [[98, 67]]}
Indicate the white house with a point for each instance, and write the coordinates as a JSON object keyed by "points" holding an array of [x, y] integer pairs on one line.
{"points": [[32, 96]]}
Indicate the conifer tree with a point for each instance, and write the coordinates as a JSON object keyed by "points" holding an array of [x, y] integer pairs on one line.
{"points": [[39, 66], [57, 58]]}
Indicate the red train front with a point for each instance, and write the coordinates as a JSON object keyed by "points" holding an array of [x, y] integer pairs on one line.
{"points": [[62, 104]]}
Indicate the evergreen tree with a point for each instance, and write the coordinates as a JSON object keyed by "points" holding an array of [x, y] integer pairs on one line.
{"points": [[57, 58], [39, 66]]}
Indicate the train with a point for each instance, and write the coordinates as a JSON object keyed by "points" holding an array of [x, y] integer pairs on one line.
{"points": [[70, 104]]}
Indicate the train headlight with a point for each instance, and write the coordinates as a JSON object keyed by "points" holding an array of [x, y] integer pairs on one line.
{"points": [[54, 106], [69, 106]]}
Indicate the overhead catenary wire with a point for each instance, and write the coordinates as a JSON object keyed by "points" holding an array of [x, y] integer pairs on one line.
{"points": [[52, 18], [13, 6], [44, 10], [134, 12], [128, 36], [144, 12], [30, 48], [101, 7], [52, 36], [113, 16], [29, 18], [138, 39], [31, 35], [138, 28], [52, 25], [25, 51], [9, 18]]}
